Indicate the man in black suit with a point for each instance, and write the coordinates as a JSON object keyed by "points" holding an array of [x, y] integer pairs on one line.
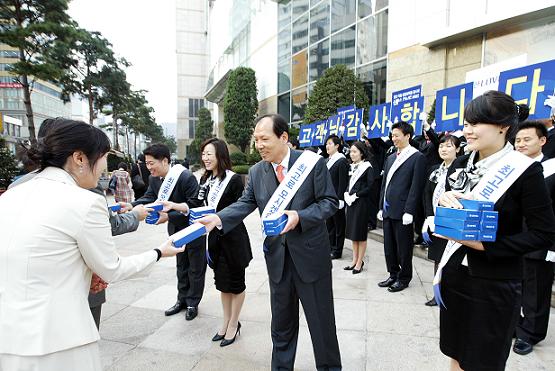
{"points": [[298, 260], [549, 147], [538, 273], [402, 189], [191, 264]]}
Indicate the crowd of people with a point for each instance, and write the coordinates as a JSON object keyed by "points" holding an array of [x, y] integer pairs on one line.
{"points": [[489, 292]]}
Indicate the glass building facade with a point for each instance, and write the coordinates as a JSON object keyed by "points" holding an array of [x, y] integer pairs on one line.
{"points": [[314, 35]]}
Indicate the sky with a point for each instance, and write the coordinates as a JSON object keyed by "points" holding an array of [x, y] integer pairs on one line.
{"points": [[143, 32]]}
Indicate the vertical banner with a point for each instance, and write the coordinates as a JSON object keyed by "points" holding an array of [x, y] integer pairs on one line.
{"points": [[320, 133], [531, 85], [450, 103], [305, 135], [334, 124], [353, 122], [406, 105], [378, 117]]}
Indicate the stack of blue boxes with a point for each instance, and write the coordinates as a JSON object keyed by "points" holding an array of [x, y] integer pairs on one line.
{"points": [[115, 207], [475, 222], [198, 212], [154, 215], [188, 234], [274, 225]]}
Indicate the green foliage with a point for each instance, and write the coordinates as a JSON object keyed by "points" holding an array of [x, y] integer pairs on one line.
{"points": [[240, 106], [171, 143], [241, 169], [432, 113], [205, 125], [254, 156], [193, 151], [339, 87], [8, 168], [238, 158]]}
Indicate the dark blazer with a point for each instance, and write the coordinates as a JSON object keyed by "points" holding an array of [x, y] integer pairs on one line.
{"points": [[363, 185], [308, 243], [524, 201], [404, 192], [339, 173], [549, 148], [429, 149]]}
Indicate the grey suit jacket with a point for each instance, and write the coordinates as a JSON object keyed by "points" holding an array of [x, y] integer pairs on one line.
{"points": [[308, 243]]}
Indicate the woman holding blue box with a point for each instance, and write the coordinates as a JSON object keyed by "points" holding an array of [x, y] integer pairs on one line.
{"points": [[481, 282], [435, 186], [229, 254]]}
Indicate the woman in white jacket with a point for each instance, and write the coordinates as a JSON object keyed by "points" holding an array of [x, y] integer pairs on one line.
{"points": [[54, 234]]}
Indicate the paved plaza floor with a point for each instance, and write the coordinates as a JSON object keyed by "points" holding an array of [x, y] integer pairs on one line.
{"points": [[377, 330]]}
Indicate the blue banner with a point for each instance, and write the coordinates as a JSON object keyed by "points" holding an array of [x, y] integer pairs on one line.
{"points": [[531, 85], [406, 105], [320, 133], [334, 124], [305, 135], [450, 103], [353, 122], [378, 117]]}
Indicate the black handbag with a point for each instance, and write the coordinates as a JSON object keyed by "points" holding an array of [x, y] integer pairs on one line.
{"points": [[137, 181]]}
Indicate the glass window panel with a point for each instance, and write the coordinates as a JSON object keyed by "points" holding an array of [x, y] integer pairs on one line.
{"points": [[343, 48], [299, 7], [366, 42], [284, 77], [380, 4], [381, 32], [299, 69], [343, 13], [284, 13], [300, 34], [284, 45], [319, 59], [374, 79], [284, 106], [320, 22], [364, 8], [299, 99], [314, 2]]}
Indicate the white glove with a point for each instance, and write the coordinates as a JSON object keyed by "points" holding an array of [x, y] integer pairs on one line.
{"points": [[341, 204], [550, 256], [429, 223], [347, 198], [380, 215], [407, 219]]}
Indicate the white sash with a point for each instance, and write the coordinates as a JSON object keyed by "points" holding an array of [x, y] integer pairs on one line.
{"points": [[400, 160], [548, 167], [169, 182], [217, 190], [293, 180], [333, 159], [358, 173], [438, 190], [491, 187]]}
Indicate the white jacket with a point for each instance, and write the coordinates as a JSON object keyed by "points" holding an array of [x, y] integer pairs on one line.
{"points": [[53, 236]]}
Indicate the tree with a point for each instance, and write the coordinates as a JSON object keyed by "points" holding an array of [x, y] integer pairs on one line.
{"points": [[36, 28], [240, 107], [203, 130], [339, 87], [8, 168]]}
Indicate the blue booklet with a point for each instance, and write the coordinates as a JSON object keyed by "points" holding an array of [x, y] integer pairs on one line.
{"points": [[462, 214], [188, 234]]}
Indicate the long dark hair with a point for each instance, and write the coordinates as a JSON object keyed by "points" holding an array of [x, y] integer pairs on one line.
{"points": [[222, 155]]}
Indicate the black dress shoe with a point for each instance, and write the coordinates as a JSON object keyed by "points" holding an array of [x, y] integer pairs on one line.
{"points": [[335, 255], [226, 342], [218, 337], [522, 347], [419, 240], [397, 286], [357, 271], [177, 307], [191, 313], [349, 268], [388, 282], [431, 303]]}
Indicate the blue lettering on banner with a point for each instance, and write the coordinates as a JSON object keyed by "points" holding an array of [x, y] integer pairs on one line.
{"points": [[378, 117], [305, 135], [334, 123], [531, 85], [450, 105], [493, 184], [320, 132], [406, 105], [353, 121]]}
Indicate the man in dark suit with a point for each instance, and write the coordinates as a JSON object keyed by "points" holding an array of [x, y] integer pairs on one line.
{"points": [[298, 260], [538, 273], [549, 147], [401, 193], [191, 264]]}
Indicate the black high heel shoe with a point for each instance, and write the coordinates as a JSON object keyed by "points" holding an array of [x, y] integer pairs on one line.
{"points": [[218, 337], [349, 268], [357, 271], [226, 342]]}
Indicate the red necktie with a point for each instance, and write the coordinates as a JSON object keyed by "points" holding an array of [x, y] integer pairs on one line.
{"points": [[279, 171]]}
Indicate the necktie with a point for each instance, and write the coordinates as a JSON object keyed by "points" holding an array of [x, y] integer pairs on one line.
{"points": [[279, 171]]}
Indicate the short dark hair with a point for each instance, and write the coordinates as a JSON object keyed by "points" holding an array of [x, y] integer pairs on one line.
{"points": [[222, 155], [336, 141], [405, 127], [123, 165], [497, 108], [158, 151], [541, 130], [280, 126], [64, 137], [362, 148], [443, 138], [294, 142], [141, 157]]}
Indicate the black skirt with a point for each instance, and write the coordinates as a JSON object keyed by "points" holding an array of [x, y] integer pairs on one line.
{"points": [[436, 248], [229, 278], [477, 327], [356, 228]]}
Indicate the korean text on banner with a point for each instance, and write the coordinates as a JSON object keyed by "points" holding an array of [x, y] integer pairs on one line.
{"points": [[406, 106], [305, 135], [450, 103], [320, 133], [378, 116], [353, 122], [334, 124]]}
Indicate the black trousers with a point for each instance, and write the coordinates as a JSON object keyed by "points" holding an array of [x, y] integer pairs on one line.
{"points": [[336, 231], [374, 203], [191, 269], [398, 245], [317, 300], [96, 312], [536, 300]]}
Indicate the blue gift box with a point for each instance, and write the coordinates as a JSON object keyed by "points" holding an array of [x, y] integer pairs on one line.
{"points": [[155, 206], [114, 208], [188, 234], [457, 223], [487, 236], [462, 214], [477, 205], [457, 234], [488, 226], [152, 217], [490, 216], [274, 231], [275, 222], [198, 212]]}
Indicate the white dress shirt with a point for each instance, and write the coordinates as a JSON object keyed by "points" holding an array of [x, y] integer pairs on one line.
{"points": [[284, 163]]}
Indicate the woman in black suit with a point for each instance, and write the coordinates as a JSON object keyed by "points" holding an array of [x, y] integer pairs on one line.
{"points": [[229, 254], [357, 198], [482, 281], [448, 148], [338, 167]]}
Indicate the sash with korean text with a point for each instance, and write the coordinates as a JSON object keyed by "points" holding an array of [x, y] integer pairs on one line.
{"points": [[217, 190], [400, 160], [361, 168], [169, 182], [334, 158]]}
